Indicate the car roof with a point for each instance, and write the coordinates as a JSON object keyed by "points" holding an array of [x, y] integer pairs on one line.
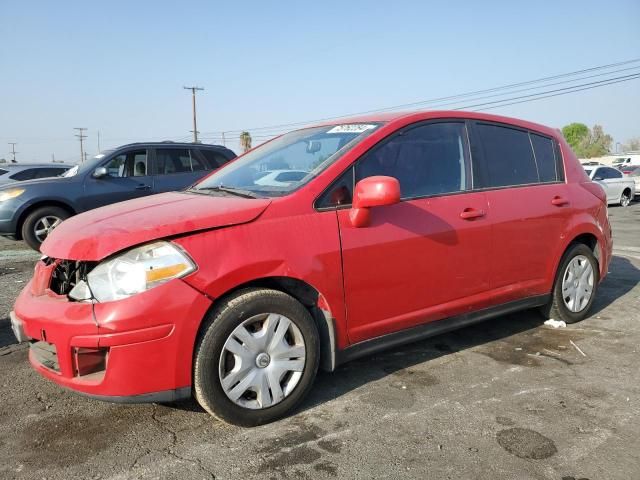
{"points": [[32, 165], [171, 144], [392, 117]]}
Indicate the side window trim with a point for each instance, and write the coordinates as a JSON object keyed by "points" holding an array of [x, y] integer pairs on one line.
{"points": [[476, 147]]}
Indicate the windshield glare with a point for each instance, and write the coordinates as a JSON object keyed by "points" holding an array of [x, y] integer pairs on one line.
{"points": [[286, 163]]}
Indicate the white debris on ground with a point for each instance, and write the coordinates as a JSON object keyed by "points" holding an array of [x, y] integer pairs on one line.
{"points": [[555, 323]]}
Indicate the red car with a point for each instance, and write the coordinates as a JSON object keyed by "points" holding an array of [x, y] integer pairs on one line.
{"points": [[238, 289]]}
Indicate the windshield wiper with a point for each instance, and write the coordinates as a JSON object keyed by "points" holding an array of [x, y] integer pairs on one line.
{"points": [[234, 191]]}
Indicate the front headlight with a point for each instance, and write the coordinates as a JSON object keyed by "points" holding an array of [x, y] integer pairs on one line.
{"points": [[11, 193], [135, 271]]}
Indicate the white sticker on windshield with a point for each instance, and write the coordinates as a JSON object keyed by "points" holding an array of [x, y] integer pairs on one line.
{"points": [[351, 128]]}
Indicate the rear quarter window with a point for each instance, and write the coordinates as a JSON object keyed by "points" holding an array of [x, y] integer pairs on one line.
{"points": [[214, 158], [544, 151]]}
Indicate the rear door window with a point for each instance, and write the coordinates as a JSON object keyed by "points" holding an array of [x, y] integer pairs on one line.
{"points": [[177, 160], [508, 156]]}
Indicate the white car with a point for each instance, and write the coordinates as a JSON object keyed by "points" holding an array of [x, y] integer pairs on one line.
{"points": [[619, 189], [280, 178], [632, 172]]}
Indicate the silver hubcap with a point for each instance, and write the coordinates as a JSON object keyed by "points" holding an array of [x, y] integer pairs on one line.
{"points": [[262, 361], [626, 199], [45, 226], [577, 283]]}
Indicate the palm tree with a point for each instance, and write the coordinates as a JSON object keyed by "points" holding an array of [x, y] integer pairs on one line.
{"points": [[245, 141]]}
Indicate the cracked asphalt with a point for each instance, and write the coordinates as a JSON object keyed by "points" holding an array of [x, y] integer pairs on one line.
{"points": [[510, 398]]}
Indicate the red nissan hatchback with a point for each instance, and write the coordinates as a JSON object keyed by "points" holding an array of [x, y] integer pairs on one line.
{"points": [[320, 246]]}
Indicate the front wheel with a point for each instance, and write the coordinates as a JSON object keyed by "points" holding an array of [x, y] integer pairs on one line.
{"points": [[256, 357], [575, 285], [40, 223]]}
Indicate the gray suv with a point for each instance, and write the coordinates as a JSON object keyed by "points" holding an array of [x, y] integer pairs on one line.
{"points": [[31, 209]]}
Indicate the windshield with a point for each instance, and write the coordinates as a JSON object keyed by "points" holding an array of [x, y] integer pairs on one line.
{"points": [[285, 164], [619, 160]]}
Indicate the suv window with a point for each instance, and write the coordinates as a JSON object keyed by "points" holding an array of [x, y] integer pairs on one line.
{"points": [[2, 172], [26, 174], [49, 172], [508, 156], [214, 158], [427, 160], [128, 164], [290, 176], [177, 160], [545, 157]]}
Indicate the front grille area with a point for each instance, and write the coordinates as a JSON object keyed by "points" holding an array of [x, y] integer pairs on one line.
{"points": [[67, 273]]}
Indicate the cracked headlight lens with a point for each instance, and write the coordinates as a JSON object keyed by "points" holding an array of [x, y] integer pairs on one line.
{"points": [[134, 271]]}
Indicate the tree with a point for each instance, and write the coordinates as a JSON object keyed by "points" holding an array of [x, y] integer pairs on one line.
{"points": [[575, 133], [632, 144], [245, 141], [585, 142]]}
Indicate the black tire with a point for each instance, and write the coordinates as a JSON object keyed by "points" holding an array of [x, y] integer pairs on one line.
{"points": [[556, 308], [625, 198], [28, 233], [216, 329]]}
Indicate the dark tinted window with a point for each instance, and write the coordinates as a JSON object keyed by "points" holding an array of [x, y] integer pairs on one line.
{"points": [[215, 159], [2, 172], [26, 174], [607, 172], [177, 160], [426, 160], [49, 172], [508, 156], [545, 157], [339, 193]]}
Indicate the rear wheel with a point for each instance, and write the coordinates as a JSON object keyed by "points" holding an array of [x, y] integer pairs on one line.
{"points": [[575, 285], [256, 358], [40, 223], [625, 198]]}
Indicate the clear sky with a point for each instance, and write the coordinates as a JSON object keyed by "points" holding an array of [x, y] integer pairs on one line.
{"points": [[118, 67]]}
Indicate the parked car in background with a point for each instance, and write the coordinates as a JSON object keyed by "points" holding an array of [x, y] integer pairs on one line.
{"points": [[590, 163], [405, 226], [619, 189], [279, 178], [631, 159], [632, 172], [31, 209], [16, 172]]}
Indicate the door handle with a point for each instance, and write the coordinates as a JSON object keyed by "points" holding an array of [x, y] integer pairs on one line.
{"points": [[559, 201], [471, 213], [143, 187]]}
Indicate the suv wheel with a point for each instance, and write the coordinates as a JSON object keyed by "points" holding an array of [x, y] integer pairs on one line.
{"points": [[256, 358], [575, 285], [40, 223]]}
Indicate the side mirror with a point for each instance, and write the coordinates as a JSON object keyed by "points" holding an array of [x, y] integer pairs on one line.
{"points": [[100, 172], [372, 192]]}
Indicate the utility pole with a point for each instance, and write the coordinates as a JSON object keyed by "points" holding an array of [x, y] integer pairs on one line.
{"points": [[13, 151], [99, 141], [81, 137], [224, 143], [193, 99]]}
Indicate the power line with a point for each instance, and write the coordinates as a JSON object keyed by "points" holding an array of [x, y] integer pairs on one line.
{"points": [[80, 135], [193, 98], [450, 97]]}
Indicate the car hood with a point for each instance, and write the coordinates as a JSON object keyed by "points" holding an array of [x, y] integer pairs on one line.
{"points": [[96, 234], [35, 181]]}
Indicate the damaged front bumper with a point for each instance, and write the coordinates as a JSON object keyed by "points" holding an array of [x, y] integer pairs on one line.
{"points": [[137, 349]]}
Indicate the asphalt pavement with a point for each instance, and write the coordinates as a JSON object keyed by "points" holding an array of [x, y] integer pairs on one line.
{"points": [[509, 398]]}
